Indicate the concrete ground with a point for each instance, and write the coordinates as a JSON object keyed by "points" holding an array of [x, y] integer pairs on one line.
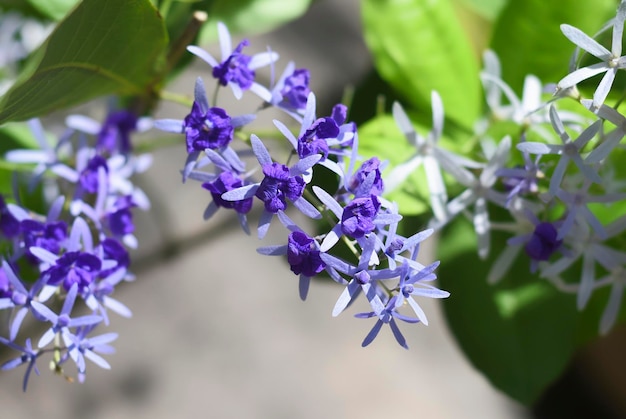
{"points": [[219, 331]]}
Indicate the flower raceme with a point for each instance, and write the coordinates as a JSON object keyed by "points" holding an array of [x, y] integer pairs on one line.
{"points": [[78, 251], [362, 215]]}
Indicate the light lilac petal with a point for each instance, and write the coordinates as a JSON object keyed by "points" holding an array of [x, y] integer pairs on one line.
{"points": [[307, 208], [84, 124], [17, 322], [302, 166], [241, 193], [618, 30], [226, 47], [418, 310], [581, 74], [264, 223], [27, 156], [261, 153], [285, 131], [585, 42], [46, 338], [97, 359], [586, 281], [557, 175], [169, 125], [241, 120], [85, 321], [602, 91], [43, 255], [373, 333], [502, 264], [345, 297], [190, 164], [603, 150], [332, 237], [329, 201], [202, 54], [404, 123], [262, 59], [303, 286], [199, 94], [612, 308], [309, 114], [278, 250]]}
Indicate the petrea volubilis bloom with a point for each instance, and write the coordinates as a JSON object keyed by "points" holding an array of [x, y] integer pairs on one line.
{"points": [[236, 69]]}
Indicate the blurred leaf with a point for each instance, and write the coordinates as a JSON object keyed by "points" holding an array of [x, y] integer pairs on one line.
{"points": [[53, 9], [250, 16], [418, 46], [101, 48], [528, 39], [520, 333], [488, 9]]}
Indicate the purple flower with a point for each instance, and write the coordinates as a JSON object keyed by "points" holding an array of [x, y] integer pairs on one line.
{"points": [[358, 216], [206, 128], [28, 356], [543, 242], [81, 347], [5, 285], [280, 183], [367, 180], [227, 181], [363, 278], [20, 297], [63, 321], [115, 132], [407, 287], [74, 268], [210, 128], [113, 250], [315, 138], [49, 235], [303, 255], [235, 68], [386, 316], [121, 218], [89, 176], [296, 89], [278, 186], [9, 225]]}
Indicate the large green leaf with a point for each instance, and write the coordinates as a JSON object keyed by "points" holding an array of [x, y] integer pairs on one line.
{"points": [[520, 333], [528, 39], [419, 46], [103, 47]]}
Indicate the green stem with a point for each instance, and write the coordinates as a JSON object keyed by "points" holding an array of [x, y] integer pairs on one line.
{"points": [[176, 98]]}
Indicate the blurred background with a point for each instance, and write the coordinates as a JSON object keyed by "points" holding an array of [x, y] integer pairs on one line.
{"points": [[219, 331]]}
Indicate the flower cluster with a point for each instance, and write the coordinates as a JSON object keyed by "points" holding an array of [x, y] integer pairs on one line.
{"points": [[555, 174], [383, 265], [78, 251]]}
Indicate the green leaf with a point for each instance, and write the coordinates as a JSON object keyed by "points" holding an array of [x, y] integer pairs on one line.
{"points": [[103, 47], [53, 9], [488, 9], [528, 38], [419, 46], [522, 332], [251, 16]]}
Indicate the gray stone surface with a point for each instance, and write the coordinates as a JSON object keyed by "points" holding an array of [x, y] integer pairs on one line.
{"points": [[219, 331]]}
